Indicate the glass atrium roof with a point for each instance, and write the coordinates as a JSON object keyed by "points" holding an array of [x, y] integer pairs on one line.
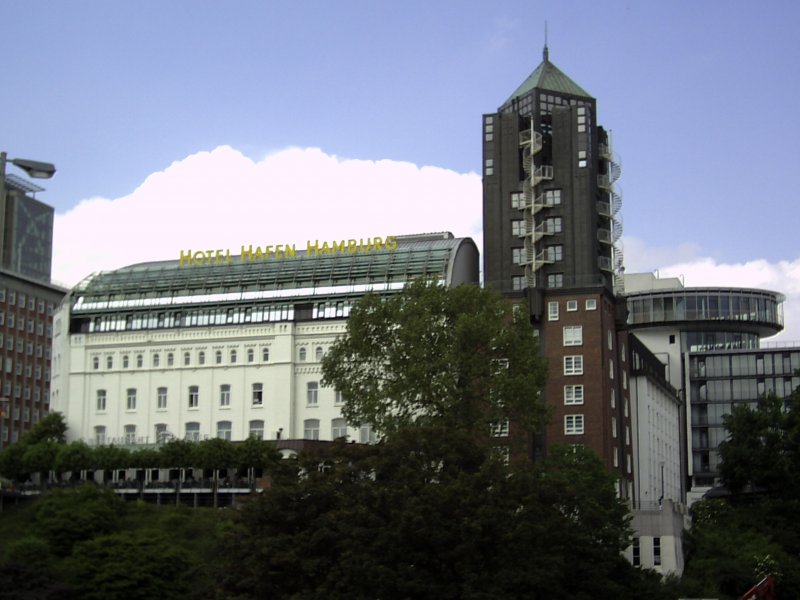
{"points": [[304, 276]]}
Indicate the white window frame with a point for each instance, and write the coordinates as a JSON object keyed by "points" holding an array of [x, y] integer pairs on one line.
{"points": [[552, 311], [573, 335], [258, 394], [573, 364], [161, 398], [573, 424], [572, 305], [312, 393], [591, 304], [573, 394], [225, 395]]}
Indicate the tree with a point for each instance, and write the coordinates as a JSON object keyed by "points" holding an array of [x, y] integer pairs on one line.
{"points": [[763, 448], [428, 513], [455, 355]]}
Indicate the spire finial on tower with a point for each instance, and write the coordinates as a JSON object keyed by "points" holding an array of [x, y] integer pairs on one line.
{"points": [[546, 52]]}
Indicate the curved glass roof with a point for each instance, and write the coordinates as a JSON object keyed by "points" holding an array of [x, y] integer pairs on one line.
{"points": [[722, 309], [340, 273]]}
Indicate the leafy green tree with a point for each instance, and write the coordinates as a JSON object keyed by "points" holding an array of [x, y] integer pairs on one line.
{"points": [[763, 448], [75, 457], [66, 516], [36, 450], [132, 564], [455, 355], [52, 428], [40, 457], [428, 513]]}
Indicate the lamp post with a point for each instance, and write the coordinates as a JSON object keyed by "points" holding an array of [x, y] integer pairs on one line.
{"points": [[35, 169]]}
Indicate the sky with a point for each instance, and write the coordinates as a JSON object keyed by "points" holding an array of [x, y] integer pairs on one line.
{"points": [[208, 125]]}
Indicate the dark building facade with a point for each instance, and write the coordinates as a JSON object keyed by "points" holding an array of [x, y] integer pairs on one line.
{"points": [[551, 226], [27, 303]]}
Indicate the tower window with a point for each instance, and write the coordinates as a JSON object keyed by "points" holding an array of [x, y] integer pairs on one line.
{"points": [[488, 167], [555, 280]]}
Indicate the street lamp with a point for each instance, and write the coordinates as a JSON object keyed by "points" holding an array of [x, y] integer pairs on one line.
{"points": [[35, 169]]}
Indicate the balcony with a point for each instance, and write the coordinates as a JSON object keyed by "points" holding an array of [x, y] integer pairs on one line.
{"points": [[604, 236]]}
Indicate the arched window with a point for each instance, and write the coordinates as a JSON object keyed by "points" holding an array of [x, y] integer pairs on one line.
{"points": [[302, 355], [224, 430], [251, 355], [96, 363], [233, 357], [265, 354], [218, 357], [156, 360], [139, 361], [257, 429], [201, 358], [318, 353], [109, 362], [187, 359], [338, 429], [170, 359]]}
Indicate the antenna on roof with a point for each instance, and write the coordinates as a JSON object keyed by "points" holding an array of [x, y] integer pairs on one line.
{"points": [[546, 52]]}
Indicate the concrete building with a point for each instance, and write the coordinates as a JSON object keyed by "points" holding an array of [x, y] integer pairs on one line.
{"points": [[551, 226], [227, 346], [27, 301]]}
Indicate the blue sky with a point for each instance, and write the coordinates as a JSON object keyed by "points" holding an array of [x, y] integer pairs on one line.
{"points": [[698, 96]]}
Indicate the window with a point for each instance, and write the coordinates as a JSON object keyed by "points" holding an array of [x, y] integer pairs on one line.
{"points": [[517, 255], [614, 427], [573, 335], [225, 394], [518, 283], [555, 280], [192, 432], [100, 435], [101, 400], [338, 398], [627, 435], [518, 227], [139, 361], [162, 434], [553, 225], [517, 200], [130, 435], [194, 396], [573, 365], [312, 393], [572, 305], [161, 398], [611, 368], [338, 429], [170, 359], [257, 429], [156, 360], [265, 354], [233, 357], [251, 355], [201, 358], [573, 424], [187, 359], [95, 363], [131, 394], [610, 336], [224, 430], [109, 362], [366, 435], [311, 429], [591, 304], [500, 428], [125, 361], [301, 355], [573, 394], [616, 456], [555, 253], [656, 551], [489, 167], [218, 357], [613, 398], [552, 311], [637, 556], [552, 198], [258, 394], [318, 353]]}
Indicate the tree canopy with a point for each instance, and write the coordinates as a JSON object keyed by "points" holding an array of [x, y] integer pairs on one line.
{"points": [[455, 355]]}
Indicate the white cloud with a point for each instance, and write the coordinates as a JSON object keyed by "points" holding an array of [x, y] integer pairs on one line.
{"points": [[695, 270], [223, 199]]}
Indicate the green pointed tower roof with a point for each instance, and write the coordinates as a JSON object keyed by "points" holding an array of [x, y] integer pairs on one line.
{"points": [[549, 77]]}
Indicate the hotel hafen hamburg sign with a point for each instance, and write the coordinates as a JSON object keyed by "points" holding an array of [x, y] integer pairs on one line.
{"points": [[190, 258]]}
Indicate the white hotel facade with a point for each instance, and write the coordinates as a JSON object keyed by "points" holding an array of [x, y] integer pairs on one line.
{"points": [[161, 350]]}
